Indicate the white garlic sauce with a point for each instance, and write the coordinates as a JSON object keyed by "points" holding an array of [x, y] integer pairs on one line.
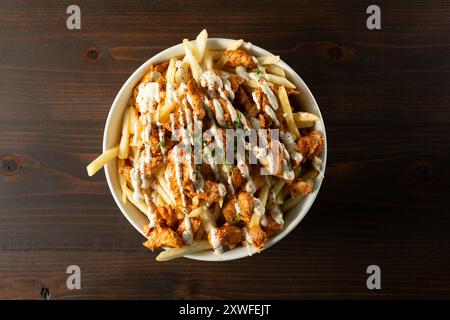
{"points": [[148, 95], [188, 235], [150, 213], [215, 241], [291, 146]]}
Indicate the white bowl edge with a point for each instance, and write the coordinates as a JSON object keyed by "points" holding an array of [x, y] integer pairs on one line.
{"points": [[114, 120]]}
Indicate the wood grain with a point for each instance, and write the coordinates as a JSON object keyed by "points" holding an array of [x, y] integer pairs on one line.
{"points": [[384, 98]]}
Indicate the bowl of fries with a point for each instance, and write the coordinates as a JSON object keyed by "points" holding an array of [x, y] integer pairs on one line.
{"points": [[281, 73]]}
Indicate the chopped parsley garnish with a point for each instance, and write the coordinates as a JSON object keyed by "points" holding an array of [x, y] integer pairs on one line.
{"points": [[237, 123], [161, 145], [225, 162], [238, 214], [257, 71]]}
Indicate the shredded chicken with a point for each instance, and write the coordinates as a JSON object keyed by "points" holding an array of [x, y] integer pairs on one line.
{"points": [[311, 145], [168, 215], [159, 236], [300, 187], [239, 58], [272, 227], [196, 96], [195, 224], [258, 236], [229, 236]]}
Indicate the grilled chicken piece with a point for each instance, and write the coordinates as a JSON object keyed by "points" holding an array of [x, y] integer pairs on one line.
{"points": [[168, 215], [161, 237], [237, 179], [161, 67], [258, 236], [272, 227], [125, 171], [196, 99], [235, 82], [195, 223], [245, 202], [300, 187], [229, 236], [310, 145], [229, 211], [239, 58], [210, 191]]}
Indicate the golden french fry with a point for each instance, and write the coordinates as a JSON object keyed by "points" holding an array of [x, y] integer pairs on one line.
{"points": [[125, 139], [208, 59], [289, 204], [287, 109], [101, 160], [195, 67], [268, 59], [185, 250], [300, 117], [279, 80], [170, 74], [200, 43], [273, 69], [223, 59]]}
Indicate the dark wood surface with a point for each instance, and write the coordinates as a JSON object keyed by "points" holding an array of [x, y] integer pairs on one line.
{"points": [[384, 96]]}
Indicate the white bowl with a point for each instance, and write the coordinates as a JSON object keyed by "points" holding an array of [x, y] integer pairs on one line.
{"points": [[113, 131]]}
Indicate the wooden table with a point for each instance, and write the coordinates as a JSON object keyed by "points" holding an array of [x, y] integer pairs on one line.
{"points": [[384, 95]]}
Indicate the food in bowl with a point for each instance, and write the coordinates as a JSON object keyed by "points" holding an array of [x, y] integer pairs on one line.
{"points": [[214, 150]]}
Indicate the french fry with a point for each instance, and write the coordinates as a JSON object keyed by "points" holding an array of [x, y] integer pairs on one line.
{"points": [[302, 124], [200, 43], [207, 220], [162, 183], [141, 205], [223, 59], [250, 83], [273, 69], [208, 60], [289, 204], [278, 186], [287, 109], [279, 80], [101, 160], [300, 117], [281, 196], [195, 213], [268, 59], [170, 74], [125, 139], [216, 54], [264, 193], [195, 67], [165, 111], [185, 250], [236, 45]]}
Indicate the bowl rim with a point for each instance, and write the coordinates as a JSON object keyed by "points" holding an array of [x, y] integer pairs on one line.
{"points": [[300, 210]]}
